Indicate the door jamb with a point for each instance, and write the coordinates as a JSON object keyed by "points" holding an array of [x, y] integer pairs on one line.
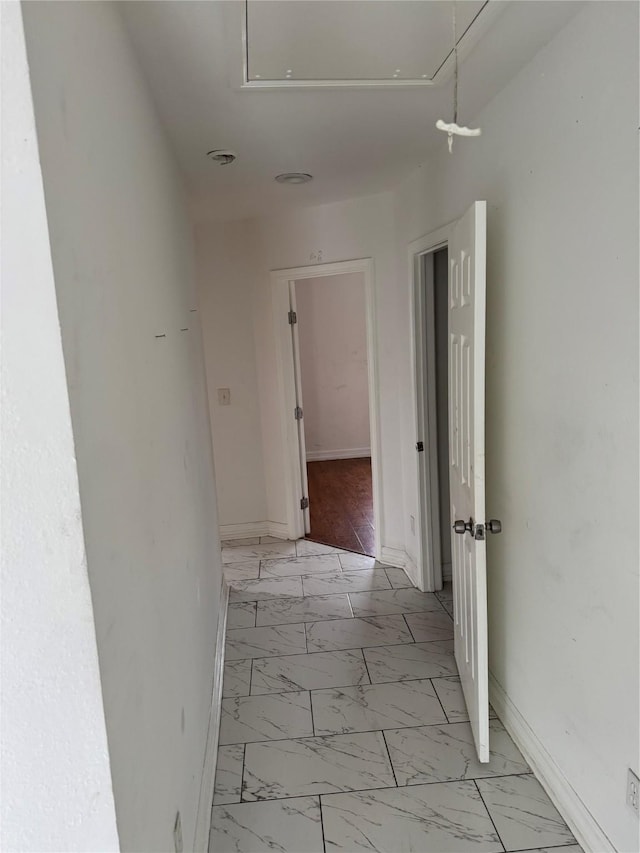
{"points": [[280, 290], [423, 351]]}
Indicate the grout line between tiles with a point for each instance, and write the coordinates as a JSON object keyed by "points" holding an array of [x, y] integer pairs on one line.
{"points": [[244, 757], [393, 769], [366, 666], [440, 701], [408, 627], [489, 813], [368, 732], [324, 842], [382, 788]]}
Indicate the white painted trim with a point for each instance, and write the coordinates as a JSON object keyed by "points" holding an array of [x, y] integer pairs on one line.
{"points": [[244, 531], [292, 475], [579, 819], [207, 783], [252, 529], [398, 558], [428, 569], [346, 453]]}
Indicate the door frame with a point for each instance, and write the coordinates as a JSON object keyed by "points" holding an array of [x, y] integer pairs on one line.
{"points": [[423, 351], [281, 283]]}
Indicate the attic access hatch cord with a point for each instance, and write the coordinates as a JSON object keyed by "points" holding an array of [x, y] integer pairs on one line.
{"points": [[453, 127]]}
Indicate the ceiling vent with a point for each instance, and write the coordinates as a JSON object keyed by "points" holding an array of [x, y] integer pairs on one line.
{"points": [[294, 178], [222, 156]]}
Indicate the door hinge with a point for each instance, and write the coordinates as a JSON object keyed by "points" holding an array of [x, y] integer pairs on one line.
{"points": [[304, 503], [297, 413], [420, 446], [293, 317]]}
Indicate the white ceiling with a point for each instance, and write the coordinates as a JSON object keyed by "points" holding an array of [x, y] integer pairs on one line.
{"points": [[353, 141]]}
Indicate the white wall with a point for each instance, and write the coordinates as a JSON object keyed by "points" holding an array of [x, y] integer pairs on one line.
{"points": [[347, 230], [227, 279], [122, 257], [56, 783], [332, 332], [557, 164]]}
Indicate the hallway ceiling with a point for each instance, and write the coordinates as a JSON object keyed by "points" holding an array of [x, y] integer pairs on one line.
{"points": [[353, 141]]}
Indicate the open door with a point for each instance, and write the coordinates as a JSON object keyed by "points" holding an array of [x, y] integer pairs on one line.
{"points": [[467, 298], [299, 408]]}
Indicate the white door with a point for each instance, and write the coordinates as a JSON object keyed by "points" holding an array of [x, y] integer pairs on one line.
{"points": [[299, 413], [467, 292]]}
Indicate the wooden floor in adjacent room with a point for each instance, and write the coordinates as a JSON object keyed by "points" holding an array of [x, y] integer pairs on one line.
{"points": [[341, 504]]}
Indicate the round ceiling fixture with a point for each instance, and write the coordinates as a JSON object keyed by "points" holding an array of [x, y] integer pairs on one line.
{"points": [[294, 178], [222, 156]]}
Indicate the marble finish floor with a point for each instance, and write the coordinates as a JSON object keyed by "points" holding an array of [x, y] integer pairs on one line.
{"points": [[343, 725]]}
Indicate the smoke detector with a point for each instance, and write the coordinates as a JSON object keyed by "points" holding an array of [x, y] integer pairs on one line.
{"points": [[222, 156], [294, 178]]}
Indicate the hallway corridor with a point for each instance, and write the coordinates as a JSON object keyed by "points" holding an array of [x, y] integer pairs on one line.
{"points": [[343, 724]]}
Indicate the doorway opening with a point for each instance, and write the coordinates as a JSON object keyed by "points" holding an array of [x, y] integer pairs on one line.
{"points": [[430, 306], [332, 355], [436, 270], [326, 350]]}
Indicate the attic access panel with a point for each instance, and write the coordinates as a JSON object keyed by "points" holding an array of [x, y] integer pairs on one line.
{"points": [[342, 41]]}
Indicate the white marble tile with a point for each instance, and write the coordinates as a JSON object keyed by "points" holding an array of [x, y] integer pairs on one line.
{"points": [[237, 678], [398, 578], [235, 572], [260, 589], [412, 660], [351, 562], [264, 540], [356, 633], [447, 753], [228, 786], [296, 566], [263, 642], [309, 609], [379, 603], [288, 826], [241, 543], [449, 818], [523, 814], [565, 848], [446, 593], [448, 606], [258, 552], [433, 625], [241, 615], [450, 694], [319, 765], [273, 717], [309, 672], [362, 581], [306, 548], [375, 706]]}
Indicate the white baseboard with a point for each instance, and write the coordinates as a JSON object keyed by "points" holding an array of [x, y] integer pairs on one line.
{"points": [[579, 819], [252, 529], [347, 453], [278, 529], [399, 558], [205, 800]]}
